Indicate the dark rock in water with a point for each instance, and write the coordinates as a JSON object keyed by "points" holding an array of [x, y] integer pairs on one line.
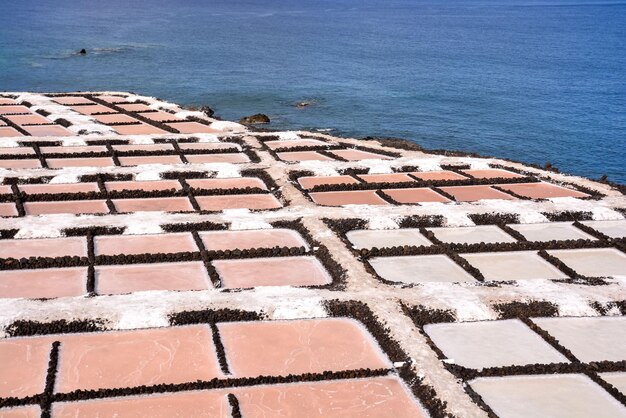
{"points": [[254, 119], [207, 111], [83, 51]]}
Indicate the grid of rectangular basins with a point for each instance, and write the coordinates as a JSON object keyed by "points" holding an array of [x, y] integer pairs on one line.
{"points": [[247, 368], [461, 185], [502, 253], [120, 153], [17, 120], [102, 194], [132, 118], [176, 261], [543, 366], [318, 149]]}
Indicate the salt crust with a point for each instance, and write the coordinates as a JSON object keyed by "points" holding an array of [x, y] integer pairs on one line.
{"points": [[289, 136], [382, 222], [140, 223], [467, 305], [300, 309], [244, 219], [569, 303]]}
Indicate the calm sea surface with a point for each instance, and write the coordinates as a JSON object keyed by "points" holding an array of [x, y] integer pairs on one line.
{"points": [[530, 80]]}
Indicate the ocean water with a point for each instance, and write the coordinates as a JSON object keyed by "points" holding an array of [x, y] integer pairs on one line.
{"points": [[534, 81]]}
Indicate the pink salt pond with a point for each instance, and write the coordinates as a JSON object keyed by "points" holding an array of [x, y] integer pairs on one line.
{"points": [[541, 190], [24, 366], [233, 158], [160, 116], [8, 209], [227, 183], [374, 397], [135, 107], [47, 150], [165, 204], [279, 348], [473, 193], [121, 279], [415, 195], [146, 147], [312, 181], [32, 119], [47, 130], [143, 244], [17, 151], [44, 283], [187, 404], [274, 271], [22, 412], [59, 188], [386, 178], [192, 128], [286, 144], [66, 206], [43, 247], [438, 175], [150, 159], [29, 163], [8, 132], [207, 145], [243, 201], [14, 110], [357, 155], [120, 359], [113, 99], [243, 240], [115, 118], [492, 174], [294, 156], [72, 100], [356, 197], [92, 109], [149, 186], [80, 162], [138, 129]]}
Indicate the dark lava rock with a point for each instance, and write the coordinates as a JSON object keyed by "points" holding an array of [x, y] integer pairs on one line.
{"points": [[207, 111], [83, 51], [254, 119]]}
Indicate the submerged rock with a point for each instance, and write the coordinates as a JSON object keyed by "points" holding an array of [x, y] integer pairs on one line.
{"points": [[304, 103], [254, 119]]}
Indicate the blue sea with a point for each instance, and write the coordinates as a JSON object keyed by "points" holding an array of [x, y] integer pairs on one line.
{"points": [[535, 81]]}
